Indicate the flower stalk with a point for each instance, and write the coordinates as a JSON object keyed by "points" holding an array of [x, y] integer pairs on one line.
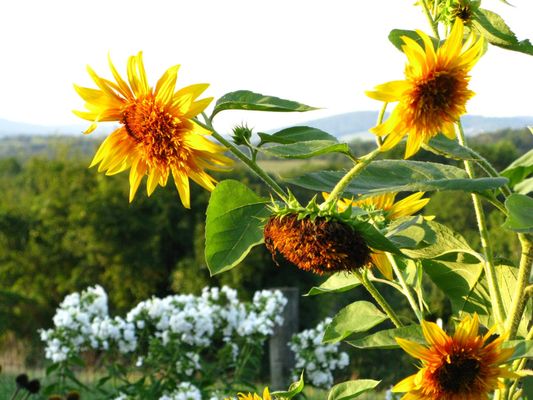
{"points": [[247, 161], [488, 264], [372, 290], [406, 290]]}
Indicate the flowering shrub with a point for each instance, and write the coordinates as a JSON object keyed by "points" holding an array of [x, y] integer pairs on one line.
{"points": [[318, 359], [191, 343]]}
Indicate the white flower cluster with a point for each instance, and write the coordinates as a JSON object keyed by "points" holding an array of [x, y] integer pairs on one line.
{"points": [[318, 359], [82, 322], [184, 391], [196, 322]]}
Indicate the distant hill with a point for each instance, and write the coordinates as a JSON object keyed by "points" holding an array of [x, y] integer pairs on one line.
{"points": [[12, 128], [355, 125]]}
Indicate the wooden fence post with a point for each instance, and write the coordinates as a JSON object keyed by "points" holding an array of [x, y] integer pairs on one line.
{"points": [[281, 357]]}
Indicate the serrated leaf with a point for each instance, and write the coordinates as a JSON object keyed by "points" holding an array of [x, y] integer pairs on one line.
{"points": [[374, 238], [456, 279], [336, 283], [519, 169], [296, 134], [493, 28], [410, 232], [308, 149], [385, 176], [522, 348], [520, 217], [395, 37], [386, 339], [479, 300], [351, 389], [443, 241], [247, 100], [443, 146], [356, 317], [233, 225]]}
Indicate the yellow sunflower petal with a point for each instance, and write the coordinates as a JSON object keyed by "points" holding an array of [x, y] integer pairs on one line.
{"points": [[164, 89], [414, 349], [434, 334], [389, 92], [405, 385], [408, 205], [181, 181], [382, 263]]}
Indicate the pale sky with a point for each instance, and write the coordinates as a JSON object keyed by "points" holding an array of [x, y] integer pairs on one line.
{"points": [[321, 53]]}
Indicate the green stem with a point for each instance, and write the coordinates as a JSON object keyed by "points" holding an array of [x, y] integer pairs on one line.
{"points": [[518, 365], [432, 22], [351, 174], [406, 290], [247, 161], [381, 115], [385, 306], [490, 270], [518, 302]]}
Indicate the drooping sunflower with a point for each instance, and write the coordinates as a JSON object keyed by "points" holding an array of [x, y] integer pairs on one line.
{"points": [[391, 211], [465, 366], [250, 396], [433, 94], [157, 134], [320, 245]]}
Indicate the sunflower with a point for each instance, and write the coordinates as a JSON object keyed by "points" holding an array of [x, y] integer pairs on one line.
{"points": [[391, 211], [465, 366], [249, 396], [434, 93], [320, 245], [157, 134]]}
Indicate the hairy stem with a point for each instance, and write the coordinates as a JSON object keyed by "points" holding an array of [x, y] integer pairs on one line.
{"points": [[488, 264], [519, 300], [406, 289], [247, 161], [432, 22], [385, 306]]}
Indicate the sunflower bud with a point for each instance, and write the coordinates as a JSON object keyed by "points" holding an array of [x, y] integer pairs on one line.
{"points": [[320, 245], [241, 135]]}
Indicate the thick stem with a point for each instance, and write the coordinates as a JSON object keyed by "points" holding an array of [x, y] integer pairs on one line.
{"points": [[406, 289], [490, 271], [247, 161], [351, 174], [385, 306], [519, 300]]}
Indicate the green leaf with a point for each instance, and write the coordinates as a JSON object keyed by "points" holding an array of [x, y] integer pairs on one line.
{"points": [[495, 30], [294, 389], [386, 339], [411, 232], [356, 317], [519, 169], [524, 187], [351, 389], [247, 100], [522, 348], [443, 146], [520, 218], [479, 300], [336, 283], [296, 134], [374, 238], [385, 176], [234, 225], [443, 241], [307, 149], [456, 279], [395, 37]]}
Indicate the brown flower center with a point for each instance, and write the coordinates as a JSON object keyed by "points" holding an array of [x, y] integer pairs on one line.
{"points": [[318, 245], [459, 374], [436, 93], [157, 130]]}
